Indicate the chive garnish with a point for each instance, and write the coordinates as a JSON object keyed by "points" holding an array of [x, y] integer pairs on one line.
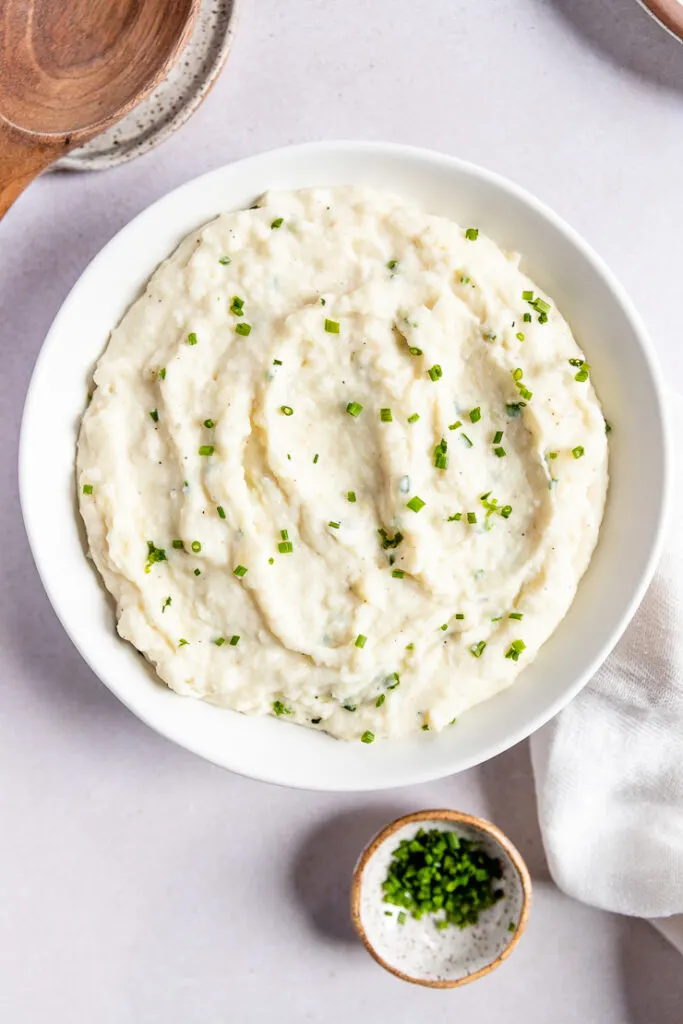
{"points": [[183, 642], [192, 339], [578, 452], [455, 518], [209, 424], [221, 511], [224, 260], [360, 640], [440, 456], [380, 700], [472, 234], [281, 709], [500, 452], [478, 649], [515, 649], [87, 488], [335, 526], [398, 574], [435, 372], [178, 544], [414, 351], [351, 496], [471, 517], [167, 604], [155, 415], [415, 504], [350, 707], [219, 641], [315, 458], [459, 615], [154, 554], [277, 362], [385, 416], [454, 426], [392, 264], [243, 329], [516, 615], [198, 572], [466, 441], [162, 373], [475, 415], [390, 542], [331, 326], [277, 223], [414, 418], [285, 547], [368, 737], [498, 437], [240, 571], [354, 408], [527, 318], [206, 449], [286, 410], [234, 640], [196, 546], [237, 306]]}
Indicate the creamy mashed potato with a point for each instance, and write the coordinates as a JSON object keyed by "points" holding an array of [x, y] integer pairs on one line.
{"points": [[343, 463]]}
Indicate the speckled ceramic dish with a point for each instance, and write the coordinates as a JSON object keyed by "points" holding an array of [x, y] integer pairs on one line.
{"points": [[173, 102], [416, 951]]}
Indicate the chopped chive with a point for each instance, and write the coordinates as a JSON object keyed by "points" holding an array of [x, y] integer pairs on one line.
{"points": [[552, 455], [575, 362], [497, 618], [350, 707], [475, 415], [527, 318], [380, 700], [390, 542], [351, 496], [385, 416], [206, 449], [192, 339], [498, 437], [414, 418], [154, 554], [582, 375], [237, 306], [444, 627], [459, 615], [472, 234], [315, 458], [398, 574], [516, 615], [392, 264], [167, 604], [517, 374], [454, 426], [608, 427], [435, 372], [478, 649], [455, 518], [277, 362], [425, 727], [415, 504], [224, 260], [331, 326], [528, 296], [286, 410], [500, 452], [271, 561], [183, 642], [368, 737], [401, 917], [243, 329], [519, 336], [285, 547], [323, 302], [178, 544], [578, 452], [196, 546], [284, 534], [234, 640], [471, 517], [515, 649], [198, 572], [395, 676], [354, 408], [514, 409], [335, 526], [240, 571], [414, 351], [219, 641], [87, 488], [221, 511], [155, 415], [440, 454], [281, 709], [209, 424], [361, 640], [277, 223], [466, 440], [162, 373], [506, 511]]}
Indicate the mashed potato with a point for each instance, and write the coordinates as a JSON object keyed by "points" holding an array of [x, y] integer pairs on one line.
{"points": [[343, 463]]}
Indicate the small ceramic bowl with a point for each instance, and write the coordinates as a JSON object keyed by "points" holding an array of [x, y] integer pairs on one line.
{"points": [[415, 951]]}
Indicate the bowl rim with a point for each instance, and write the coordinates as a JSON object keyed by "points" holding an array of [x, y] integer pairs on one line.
{"points": [[480, 825], [268, 772]]}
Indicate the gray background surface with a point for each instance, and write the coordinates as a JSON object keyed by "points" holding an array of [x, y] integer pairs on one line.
{"points": [[141, 885]]}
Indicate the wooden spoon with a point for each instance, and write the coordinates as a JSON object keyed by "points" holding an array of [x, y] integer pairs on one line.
{"points": [[69, 69]]}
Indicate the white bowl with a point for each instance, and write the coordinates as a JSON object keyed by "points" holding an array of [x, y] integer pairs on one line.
{"points": [[623, 368]]}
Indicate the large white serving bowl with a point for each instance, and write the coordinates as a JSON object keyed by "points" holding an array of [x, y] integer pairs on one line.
{"points": [[623, 369]]}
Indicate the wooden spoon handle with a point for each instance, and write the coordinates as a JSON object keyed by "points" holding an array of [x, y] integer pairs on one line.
{"points": [[21, 159]]}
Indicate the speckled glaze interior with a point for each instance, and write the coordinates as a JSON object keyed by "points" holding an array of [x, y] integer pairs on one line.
{"points": [[173, 102], [416, 951]]}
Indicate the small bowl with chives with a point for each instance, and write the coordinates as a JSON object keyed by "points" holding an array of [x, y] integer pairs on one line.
{"points": [[440, 898]]}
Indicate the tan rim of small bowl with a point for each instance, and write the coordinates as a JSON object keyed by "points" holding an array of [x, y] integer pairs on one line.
{"points": [[464, 819]]}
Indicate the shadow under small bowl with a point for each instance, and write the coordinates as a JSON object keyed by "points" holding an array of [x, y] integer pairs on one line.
{"points": [[416, 951]]}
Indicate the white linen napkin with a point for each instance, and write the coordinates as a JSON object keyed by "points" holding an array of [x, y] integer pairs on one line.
{"points": [[609, 768]]}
